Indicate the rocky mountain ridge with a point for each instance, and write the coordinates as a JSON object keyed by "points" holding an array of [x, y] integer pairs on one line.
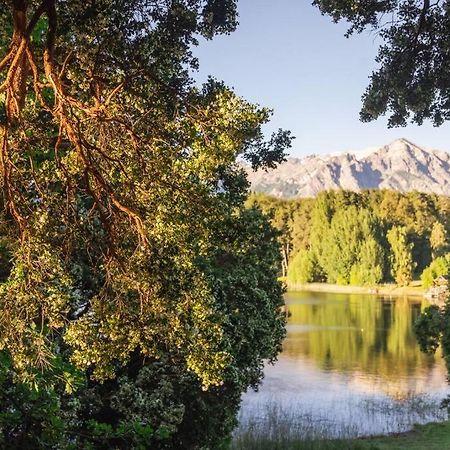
{"points": [[401, 166]]}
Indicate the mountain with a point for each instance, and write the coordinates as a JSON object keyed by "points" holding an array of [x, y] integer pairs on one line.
{"points": [[401, 166]]}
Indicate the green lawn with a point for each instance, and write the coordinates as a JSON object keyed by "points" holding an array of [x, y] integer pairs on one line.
{"points": [[434, 436]]}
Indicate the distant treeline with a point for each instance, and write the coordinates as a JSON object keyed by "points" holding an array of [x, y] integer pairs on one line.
{"points": [[362, 238]]}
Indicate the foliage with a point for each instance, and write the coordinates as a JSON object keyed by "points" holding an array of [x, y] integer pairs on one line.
{"points": [[345, 233], [163, 398], [439, 267], [303, 268], [345, 244], [433, 330], [411, 80], [438, 239], [345, 240], [402, 264], [123, 204], [28, 418], [280, 214], [428, 329], [370, 266]]}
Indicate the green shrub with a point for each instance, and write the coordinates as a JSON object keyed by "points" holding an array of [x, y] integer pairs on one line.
{"points": [[439, 267]]}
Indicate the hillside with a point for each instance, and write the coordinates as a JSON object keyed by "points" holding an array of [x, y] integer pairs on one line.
{"points": [[401, 166]]}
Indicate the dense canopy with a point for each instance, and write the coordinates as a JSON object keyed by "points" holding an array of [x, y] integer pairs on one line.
{"points": [[130, 265]]}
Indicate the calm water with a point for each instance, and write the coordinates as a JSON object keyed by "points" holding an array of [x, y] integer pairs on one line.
{"points": [[351, 363]]}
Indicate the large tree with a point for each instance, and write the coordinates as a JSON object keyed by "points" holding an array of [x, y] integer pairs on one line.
{"points": [[347, 244], [402, 263], [412, 79], [119, 176]]}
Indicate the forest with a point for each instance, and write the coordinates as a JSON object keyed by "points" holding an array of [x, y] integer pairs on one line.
{"points": [[361, 239]]}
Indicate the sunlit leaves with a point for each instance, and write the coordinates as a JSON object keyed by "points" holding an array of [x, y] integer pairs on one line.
{"points": [[120, 178]]}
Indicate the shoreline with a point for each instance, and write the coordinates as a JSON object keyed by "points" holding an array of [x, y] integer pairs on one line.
{"points": [[388, 290], [430, 436]]}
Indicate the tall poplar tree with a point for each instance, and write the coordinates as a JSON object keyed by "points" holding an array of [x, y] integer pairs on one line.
{"points": [[402, 264]]}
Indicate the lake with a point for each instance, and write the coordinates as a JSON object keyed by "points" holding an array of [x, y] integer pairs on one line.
{"points": [[350, 366]]}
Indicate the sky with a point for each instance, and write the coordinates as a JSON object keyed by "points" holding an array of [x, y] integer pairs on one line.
{"points": [[286, 56]]}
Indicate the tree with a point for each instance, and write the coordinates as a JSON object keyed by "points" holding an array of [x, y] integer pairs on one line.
{"points": [[303, 268], [321, 215], [369, 269], [402, 264], [439, 267], [438, 239], [301, 223], [118, 176], [344, 235], [432, 330], [279, 212], [412, 78], [344, 242], [242, 269]]}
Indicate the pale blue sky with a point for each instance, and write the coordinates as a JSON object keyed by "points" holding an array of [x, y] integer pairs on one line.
{"points": [[288, 57]]}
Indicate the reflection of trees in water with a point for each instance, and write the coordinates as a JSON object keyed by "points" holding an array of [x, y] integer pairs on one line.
{"points": [[359, 333]]}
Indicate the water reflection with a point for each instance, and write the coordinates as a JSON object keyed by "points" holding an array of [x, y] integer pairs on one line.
{"points": [[343, 352]]}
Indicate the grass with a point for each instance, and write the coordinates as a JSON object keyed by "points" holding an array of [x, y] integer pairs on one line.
{"points": [[433, 436], [282, 430]]}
